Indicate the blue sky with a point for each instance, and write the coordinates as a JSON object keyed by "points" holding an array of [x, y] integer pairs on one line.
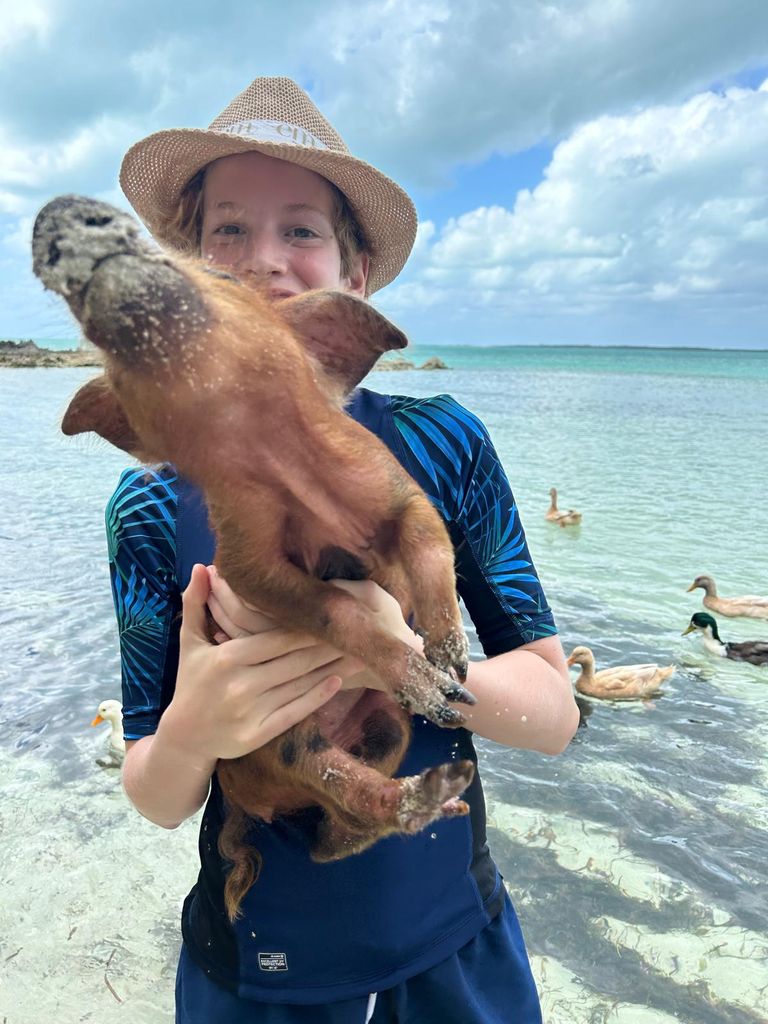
{"points": [[585, 171]]}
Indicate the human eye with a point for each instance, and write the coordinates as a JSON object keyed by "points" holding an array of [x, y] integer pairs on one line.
{"points": [[303, 234], [228, 230]]}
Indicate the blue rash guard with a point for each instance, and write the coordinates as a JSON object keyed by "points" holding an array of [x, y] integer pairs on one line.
{"points": [[314, 933]]}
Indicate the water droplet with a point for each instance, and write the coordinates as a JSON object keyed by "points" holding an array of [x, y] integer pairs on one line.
{"points": [[433, 835], [524, 718]]}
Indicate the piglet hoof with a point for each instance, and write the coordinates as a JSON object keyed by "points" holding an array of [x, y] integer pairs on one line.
{"points": [[425, 690], [450, 653], [434, 794]]}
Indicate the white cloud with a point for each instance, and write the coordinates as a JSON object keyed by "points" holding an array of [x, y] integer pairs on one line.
{"points": [[666, 205], [20, 23], [445, 82], [418, 87]]}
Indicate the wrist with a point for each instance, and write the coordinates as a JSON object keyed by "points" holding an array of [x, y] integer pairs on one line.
{"points": [[182, 749]]}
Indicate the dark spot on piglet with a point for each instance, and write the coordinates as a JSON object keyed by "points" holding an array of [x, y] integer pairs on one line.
{"points": [[317, 742], [288, 751], [382, 733]]}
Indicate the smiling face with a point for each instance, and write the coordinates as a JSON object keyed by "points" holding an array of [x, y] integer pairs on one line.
{"points": [[271, 223]]}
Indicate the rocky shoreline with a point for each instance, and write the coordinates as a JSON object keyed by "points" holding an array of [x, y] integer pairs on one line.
{"points": [[399, 363], [28, 354]]}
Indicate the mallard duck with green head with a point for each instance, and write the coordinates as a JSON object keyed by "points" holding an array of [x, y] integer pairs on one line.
{"points": [[753, 651]]}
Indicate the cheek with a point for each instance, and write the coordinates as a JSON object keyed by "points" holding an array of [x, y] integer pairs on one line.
{"points": [[219, 255], [318, 268]]}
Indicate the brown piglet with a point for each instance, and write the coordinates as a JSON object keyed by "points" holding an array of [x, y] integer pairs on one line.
{"points": [[245, 398]]}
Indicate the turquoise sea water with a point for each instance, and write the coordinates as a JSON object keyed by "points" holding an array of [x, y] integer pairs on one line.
{"points": [[637, 859]]}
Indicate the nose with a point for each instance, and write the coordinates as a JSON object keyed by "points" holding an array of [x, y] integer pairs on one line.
{"points": [[263, 256]]}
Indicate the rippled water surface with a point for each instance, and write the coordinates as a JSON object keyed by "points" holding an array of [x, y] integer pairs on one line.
{"points": [[637, 859]]}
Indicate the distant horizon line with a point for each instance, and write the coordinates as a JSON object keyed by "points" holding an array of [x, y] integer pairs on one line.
{"points": [[506, 344]]}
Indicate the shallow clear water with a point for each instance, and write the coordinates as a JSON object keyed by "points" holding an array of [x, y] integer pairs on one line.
{"points": [[636, 859]]}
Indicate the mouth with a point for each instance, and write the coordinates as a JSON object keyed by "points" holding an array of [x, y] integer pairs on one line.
{"points": [[278, 294]]}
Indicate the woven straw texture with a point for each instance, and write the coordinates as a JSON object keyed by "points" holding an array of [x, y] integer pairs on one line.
{"points": [[156, 169]]}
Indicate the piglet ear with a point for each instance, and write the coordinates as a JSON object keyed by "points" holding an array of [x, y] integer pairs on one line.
{"points": [[95, 407], [343, 332]]}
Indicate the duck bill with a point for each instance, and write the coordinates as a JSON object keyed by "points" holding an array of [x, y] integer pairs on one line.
{"points": [[97, 720], [690, 629], [692, 587], [570, 662]]}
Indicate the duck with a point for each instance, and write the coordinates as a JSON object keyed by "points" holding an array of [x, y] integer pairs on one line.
{"points": [[567, 517], [111, 711], [748, 606], [753, 651], [622, 682]]}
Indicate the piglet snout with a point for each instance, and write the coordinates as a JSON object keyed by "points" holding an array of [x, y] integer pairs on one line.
{"points": [[73, 235], [129, 297]]}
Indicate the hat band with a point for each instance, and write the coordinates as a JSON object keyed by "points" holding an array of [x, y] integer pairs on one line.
{"points": [[273, 131]]}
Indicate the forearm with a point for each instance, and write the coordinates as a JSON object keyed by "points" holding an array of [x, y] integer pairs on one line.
{"points": [[165, 784], [524, 699]]}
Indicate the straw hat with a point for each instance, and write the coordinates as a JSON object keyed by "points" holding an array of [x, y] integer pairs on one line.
{"points": [[276, 117]]}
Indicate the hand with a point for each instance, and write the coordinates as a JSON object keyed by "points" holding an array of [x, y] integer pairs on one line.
{"points": [[390, 618], [234, 697], [235, 618]]}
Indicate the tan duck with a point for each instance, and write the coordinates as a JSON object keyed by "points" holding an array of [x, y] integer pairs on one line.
{"points": [[623, 682], [749, 606], [111, 711], [563, 518], [753, 651]]}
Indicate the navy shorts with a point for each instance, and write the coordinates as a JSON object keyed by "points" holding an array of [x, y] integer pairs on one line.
{"points": [[488, 981]]}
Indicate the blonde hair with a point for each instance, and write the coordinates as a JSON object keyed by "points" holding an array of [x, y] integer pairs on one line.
{"points": [[184, 230]]}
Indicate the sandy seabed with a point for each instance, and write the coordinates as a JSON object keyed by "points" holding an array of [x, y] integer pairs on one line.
{"points": [[90, 899], [90, 896]]}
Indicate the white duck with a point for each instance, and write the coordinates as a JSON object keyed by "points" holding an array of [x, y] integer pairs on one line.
{"points": [[111, 711]]}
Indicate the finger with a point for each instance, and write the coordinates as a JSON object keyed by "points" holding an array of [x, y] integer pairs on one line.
{"points": [[286, 715], [273, 645], [370, 593], [193, 602], [246, 617], [232, 629], [299, 663]]}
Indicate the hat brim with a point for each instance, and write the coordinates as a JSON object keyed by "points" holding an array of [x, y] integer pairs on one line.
{"points": [[156, 169]]}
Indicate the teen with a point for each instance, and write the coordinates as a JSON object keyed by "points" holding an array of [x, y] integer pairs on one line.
{"points": [[416, 929]]}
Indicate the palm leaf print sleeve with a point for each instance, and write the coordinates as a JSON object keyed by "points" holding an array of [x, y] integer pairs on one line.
{"points": [[449, 451], [141, 538]]}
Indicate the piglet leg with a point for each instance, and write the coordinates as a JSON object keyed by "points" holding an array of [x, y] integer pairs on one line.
{"points": [[404, 806], [361, 803], [293, 597], [429, 567]]}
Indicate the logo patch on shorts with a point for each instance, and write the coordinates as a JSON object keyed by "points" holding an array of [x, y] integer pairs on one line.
{"points": [[273, 962]]}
